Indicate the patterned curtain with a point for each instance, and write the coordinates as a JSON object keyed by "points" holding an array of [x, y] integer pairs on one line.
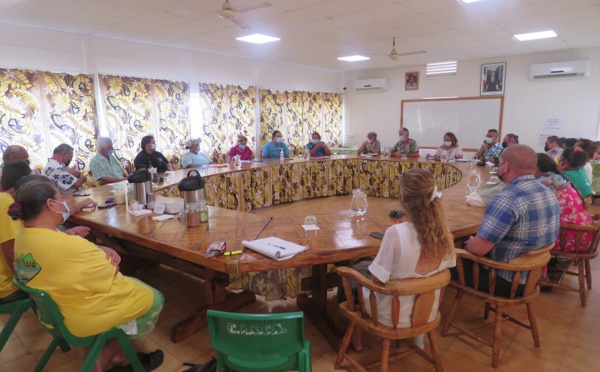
{"points": [[20, 114], [172, 101], [71, 114], [294, 122], [312, 115], [272, 106], [226, 112], [332, 123], [128, 111]]}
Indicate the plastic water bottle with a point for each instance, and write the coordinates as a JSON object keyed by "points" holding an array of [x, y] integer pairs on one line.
{"points": [[281, 155]]}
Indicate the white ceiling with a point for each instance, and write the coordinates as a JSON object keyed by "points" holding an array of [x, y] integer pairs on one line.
{"points": [[315, 32]]}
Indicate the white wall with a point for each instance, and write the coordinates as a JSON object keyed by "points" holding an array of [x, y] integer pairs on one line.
{"points": [[574, 100], [39, 49]]}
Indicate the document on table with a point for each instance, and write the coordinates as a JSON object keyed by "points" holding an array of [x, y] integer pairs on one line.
{"points": [[275, 248]]}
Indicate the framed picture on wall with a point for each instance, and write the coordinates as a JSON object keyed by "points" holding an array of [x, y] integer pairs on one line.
{"points": [[493, 79], [411, 80]]}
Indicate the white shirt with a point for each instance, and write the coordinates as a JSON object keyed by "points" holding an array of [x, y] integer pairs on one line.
{"points": [[397, 259], [57, 172]]}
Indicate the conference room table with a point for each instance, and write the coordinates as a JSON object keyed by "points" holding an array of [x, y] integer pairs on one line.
{"points": [[280, 211]]}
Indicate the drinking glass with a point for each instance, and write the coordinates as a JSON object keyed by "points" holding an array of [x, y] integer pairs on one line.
{"points": [[444, 156], [358, 207], [494, 170], [404, 155], [310, 220], [473, 181]]}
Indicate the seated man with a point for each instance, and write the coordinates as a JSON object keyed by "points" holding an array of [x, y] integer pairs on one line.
{"points": [[522, 217], [105, 167], [405, 145], [491, 148], [68, 180], [318, 147], [14, 153], [509, 140], [371, 145]]}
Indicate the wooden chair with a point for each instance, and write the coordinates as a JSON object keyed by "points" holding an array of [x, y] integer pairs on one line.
{"points": [[424, 291], [530, 262], [581, 257]]}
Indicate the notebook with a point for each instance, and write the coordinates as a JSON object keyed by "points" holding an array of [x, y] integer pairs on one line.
{"points": [[275, 248]]}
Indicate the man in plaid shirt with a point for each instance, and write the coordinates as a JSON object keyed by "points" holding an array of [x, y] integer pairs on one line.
{"points": [[522, 217]]}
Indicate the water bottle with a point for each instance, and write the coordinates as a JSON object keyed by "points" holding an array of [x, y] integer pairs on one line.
{"points": [[281, 156], [358, 207]]}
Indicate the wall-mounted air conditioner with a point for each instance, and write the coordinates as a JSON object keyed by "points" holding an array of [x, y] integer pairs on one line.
{"points": [[560, 70], [370, 84]]}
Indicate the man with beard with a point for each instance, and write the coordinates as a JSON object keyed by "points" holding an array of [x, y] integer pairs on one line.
{"points": [[68, 180]]}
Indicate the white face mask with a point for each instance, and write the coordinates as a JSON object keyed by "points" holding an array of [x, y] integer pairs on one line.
{"points": [[153, 146], [67, 213], [447, 143], [488, 140], [242, 147], [401, 138]]}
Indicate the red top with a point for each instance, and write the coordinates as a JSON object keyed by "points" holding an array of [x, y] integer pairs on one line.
{"points": [[244, 155]]}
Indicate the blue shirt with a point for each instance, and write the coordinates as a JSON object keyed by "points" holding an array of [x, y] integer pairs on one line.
{"points": [[493, 152], [320, 150], [271, 150], [197, 160], [522, 217]]}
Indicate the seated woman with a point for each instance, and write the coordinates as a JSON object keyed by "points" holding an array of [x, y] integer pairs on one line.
{"points": [[194, 158], [241, 149], [572, 166], [273, 148], [82, 278], [572, 210], [316, 147], [418, 248], [450, 146], [150, 158]]}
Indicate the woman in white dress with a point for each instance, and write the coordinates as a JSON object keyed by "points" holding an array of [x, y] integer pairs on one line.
{"points": [[449, 149], [419, 247]]}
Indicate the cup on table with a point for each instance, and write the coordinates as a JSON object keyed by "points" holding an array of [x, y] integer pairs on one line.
{"points": [[310, 221], [135, 206], [404, 155]]}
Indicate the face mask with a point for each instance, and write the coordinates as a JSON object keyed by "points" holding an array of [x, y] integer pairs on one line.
{"points": [[279, 140], [488, 140], [315, 141], [447, 143], [66, 213], [67, 163], [546, 148], [111, 152], [242, 147], [501, 176], [401, 138], [505, 144], [153, 146]]}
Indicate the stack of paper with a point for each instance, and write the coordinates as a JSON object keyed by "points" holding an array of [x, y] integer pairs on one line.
{"points": [[275, 248]]}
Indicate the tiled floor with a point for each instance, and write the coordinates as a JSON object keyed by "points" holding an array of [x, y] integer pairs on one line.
{"points": [[570, 334]]}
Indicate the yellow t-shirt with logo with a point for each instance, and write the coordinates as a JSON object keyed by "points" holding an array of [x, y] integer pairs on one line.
{"points": [[80, 279], [8, 231]]}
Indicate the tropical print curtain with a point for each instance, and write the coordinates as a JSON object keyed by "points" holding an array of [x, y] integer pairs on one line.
{"points": [[172, 101], [226, 111], [40, 110]]}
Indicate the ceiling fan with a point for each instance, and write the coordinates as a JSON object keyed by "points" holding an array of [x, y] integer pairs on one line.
{"points": [[228, 12], [394, 55]]}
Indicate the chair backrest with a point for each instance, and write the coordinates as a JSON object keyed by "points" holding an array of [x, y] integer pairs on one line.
{"points": [[528, 264], [422, 288], [49, 314], [257, 341], [581, 245]]}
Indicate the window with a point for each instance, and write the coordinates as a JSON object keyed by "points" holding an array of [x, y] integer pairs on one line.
{"points": [[441, 69]]}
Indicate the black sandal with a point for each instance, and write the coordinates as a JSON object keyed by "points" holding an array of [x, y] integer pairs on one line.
{"points": [[150, 361]]}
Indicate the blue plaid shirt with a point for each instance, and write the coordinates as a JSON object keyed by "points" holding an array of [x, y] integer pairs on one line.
{"points": [[522, 217], [494, 151]]}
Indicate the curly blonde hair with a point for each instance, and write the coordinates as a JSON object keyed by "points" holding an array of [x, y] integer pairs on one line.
{"points": [[426, 215]]}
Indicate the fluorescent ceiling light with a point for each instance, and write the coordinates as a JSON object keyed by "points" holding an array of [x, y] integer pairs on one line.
{"points": [[536, 35], [258, 39], [354, 58], [469, 1]]}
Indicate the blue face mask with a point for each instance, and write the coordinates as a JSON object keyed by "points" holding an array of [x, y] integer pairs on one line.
{"points": [[111, 152], [488, 140], [153, 146], [67, 213], [315, 141], [401, 138], [242, 147], [279, 140], [447, 143]]}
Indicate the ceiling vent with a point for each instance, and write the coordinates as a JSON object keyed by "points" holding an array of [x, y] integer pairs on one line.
{"points": [[370, 84], [560, 70]]}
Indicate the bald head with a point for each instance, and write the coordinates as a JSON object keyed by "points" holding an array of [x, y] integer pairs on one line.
{"points": [[522, 159], [15, 153]]}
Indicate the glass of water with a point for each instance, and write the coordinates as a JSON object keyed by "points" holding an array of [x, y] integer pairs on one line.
{"points": [[310, 220], [473, 181]]}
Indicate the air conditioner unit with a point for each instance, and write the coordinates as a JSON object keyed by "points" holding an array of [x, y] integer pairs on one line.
{"points": [[560, 70], [370, 84]]}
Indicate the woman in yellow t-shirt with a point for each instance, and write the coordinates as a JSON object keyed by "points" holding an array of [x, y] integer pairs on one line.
{"points": [[82, 278]]}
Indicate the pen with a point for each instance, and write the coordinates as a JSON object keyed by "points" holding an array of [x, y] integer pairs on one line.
{"points": [[277, 246], [232, 253]]}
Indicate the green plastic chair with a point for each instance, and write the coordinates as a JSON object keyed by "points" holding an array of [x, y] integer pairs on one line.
{"points": [[15, 309], [52, 319], [259, 342]]}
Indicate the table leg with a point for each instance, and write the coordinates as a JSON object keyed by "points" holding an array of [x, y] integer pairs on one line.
{"points": [[315, 307]]}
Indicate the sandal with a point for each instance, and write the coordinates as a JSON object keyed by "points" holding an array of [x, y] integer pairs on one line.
{"points": [[150, 361]]}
